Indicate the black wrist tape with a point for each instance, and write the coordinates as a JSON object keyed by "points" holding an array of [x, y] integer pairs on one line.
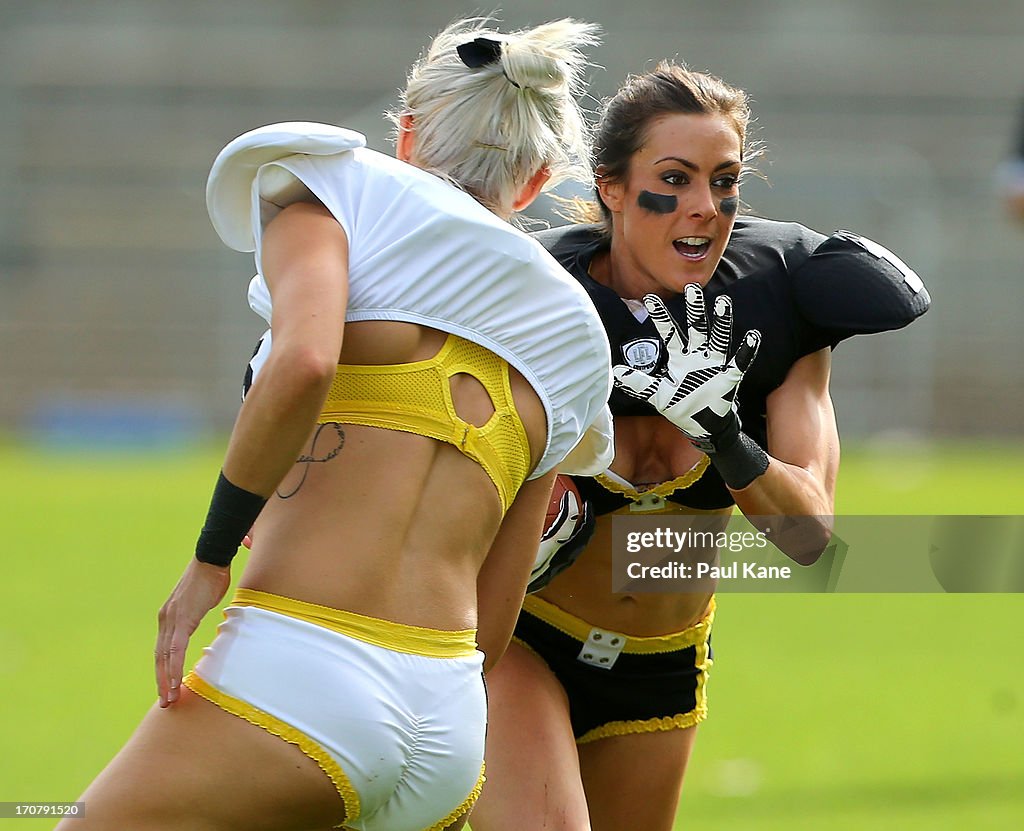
{"points": [[232, 512], [739, 462]]}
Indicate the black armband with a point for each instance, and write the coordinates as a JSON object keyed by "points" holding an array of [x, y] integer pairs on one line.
{"points": [[232, 512], [740, 461]]}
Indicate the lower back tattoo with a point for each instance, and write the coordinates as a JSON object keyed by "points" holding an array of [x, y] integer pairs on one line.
{"points": [[334, 436]]}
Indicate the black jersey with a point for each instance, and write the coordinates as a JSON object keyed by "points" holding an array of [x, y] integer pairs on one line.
{"points": [[802, 290]]}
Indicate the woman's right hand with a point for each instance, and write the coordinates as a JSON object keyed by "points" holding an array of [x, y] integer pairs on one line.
{"points": [[200, 588]]}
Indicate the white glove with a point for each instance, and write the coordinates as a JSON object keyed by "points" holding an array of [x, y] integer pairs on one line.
{"points": [[697, 391]]}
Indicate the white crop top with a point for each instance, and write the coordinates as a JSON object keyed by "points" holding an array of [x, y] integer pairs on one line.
{"points": [[423, 251]]}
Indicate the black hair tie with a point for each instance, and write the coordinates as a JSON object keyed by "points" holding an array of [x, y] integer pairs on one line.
{"points": [[479, 52], [482, 52]]}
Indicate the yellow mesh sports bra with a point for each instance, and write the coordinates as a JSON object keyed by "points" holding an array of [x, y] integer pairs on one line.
{"points": [[417, 398]]}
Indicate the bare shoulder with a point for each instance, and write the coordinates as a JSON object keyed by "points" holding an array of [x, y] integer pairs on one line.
{"points": [[304, 213], [810, 373]]}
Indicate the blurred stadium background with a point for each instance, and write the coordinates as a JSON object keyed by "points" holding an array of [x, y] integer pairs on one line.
{"points": [[123, 322], [881, 117]]}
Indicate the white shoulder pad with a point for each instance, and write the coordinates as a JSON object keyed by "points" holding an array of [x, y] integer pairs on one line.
{"points": [[229, 188], [594, 452]]}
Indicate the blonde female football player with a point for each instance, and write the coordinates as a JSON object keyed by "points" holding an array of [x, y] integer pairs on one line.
{"points": [[430, 366]]}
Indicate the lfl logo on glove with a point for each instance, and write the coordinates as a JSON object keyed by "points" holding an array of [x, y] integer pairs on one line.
{"points": [[642, 354]]}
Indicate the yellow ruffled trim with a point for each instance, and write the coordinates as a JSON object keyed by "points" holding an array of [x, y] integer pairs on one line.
{"points": [[399, 637], [464, 807], [652, 725], [283, 730], [664, 489], [680, 721], [673, 508], [579, 629]]}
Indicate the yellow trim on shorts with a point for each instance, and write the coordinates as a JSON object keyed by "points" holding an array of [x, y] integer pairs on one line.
{"points": [[682, 721], [399, 637], [580, 630], [283, 730], [464, 806]]}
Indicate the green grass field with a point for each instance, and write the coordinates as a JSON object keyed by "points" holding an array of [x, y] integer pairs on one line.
{"points": [[876, 711]]}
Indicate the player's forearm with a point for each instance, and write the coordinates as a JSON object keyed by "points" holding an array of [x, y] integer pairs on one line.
{"points": [[501, 583], [272, 427], [497, 623], [275, 421], [794, 493]]}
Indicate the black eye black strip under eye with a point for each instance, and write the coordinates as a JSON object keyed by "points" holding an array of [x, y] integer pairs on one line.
{"points": [[657, 203], [729, 205]]}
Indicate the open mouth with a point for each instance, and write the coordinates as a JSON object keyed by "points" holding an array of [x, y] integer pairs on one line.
{"points": [[693, 248]]}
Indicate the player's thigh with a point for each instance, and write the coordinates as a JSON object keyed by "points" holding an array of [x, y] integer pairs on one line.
{"points": [[634, 781], [533, 775], [194, 766]]}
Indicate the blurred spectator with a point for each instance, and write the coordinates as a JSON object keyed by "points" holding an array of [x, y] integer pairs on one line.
{"points": [[1011, 175]]}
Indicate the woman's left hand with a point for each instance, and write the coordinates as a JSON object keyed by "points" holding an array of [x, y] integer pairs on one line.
{"points": [[200, 588], [697, 390]]}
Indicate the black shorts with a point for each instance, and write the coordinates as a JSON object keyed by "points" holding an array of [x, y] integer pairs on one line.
{"points": [[618, 684]]}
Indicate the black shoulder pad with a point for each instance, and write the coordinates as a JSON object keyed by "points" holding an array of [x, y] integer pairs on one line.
{"points": [[851, 285], [564, 243]]}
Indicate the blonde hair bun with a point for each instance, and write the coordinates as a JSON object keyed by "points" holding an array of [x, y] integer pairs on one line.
{"points": [[491, 120]]}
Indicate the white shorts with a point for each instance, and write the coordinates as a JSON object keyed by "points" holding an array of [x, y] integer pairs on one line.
{"points": [[395, 715]]}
